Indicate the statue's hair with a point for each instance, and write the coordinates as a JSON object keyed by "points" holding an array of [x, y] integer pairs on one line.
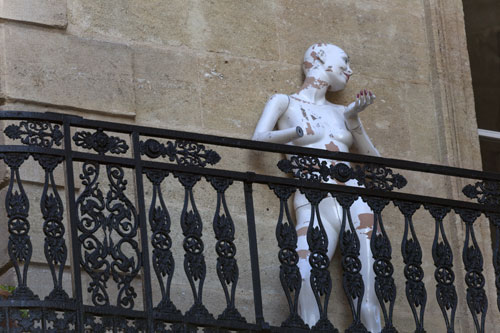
{"points": [[314, 55]]}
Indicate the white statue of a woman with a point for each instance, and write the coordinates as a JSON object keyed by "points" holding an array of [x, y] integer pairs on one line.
{"points": [[307, 119]]}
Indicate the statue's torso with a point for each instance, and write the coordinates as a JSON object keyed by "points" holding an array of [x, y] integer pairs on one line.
{"points": [[323, 125]]}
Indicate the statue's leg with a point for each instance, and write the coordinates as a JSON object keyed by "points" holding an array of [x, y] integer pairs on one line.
{"points": [[370, 309], [308, 307]]}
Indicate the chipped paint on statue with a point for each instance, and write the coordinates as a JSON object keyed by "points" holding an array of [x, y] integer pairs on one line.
{"points": [[289, 120]]}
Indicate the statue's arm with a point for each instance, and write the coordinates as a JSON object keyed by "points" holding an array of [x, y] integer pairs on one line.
{"points": [[354, 125], [274, 109]]}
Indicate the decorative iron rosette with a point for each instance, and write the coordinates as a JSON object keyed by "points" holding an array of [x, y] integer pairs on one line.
{"points": [[100, 142], [485, 192], [371, 176], [185, 153], [35, 133]]}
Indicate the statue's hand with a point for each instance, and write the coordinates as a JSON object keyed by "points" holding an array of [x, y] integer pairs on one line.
{"points": [[363, 99]]}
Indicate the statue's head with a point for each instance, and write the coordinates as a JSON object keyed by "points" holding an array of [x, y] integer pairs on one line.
{"points": [[329, 61]]}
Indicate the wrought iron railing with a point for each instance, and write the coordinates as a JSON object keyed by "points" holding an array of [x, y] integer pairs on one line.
{"points": [[114, 229]]}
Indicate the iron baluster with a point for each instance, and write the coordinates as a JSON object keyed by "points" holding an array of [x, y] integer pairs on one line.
{"points": [[411, 251], [163, 260], [442, 255], [474, 278], [317, 239], [290, 277], [52, 210], [352, 281], [380, 245], [194, 260], [227, 267], [17, 206]]}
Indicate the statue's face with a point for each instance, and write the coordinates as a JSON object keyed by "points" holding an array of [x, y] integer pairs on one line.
{"points": [[336, 66]]}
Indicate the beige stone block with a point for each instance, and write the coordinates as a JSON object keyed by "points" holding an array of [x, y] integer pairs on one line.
{"points": [[45, 12], [300, 24], [158, 22], [242, 28], [234, 92], [50, 68], [167, 89]]}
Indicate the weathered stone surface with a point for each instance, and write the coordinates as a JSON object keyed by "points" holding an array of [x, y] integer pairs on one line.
{"points": [[51, 68], [242, 28], [46, 12], [159, 22], [232, 86], [166, 86], [214, 26]]}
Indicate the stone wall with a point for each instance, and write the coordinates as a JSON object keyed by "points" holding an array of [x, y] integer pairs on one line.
{"points": [[209, 66]]}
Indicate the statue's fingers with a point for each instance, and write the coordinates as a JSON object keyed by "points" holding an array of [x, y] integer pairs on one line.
{"points": [[370, 97], [363, 98]]}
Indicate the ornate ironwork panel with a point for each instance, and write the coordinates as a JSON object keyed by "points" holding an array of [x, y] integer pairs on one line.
{"points": [[352, 281], [485, 192], [442, 254], [115, 218], [35, 133], [371, 176], [411, 250], [180, 151], [100, 142]]}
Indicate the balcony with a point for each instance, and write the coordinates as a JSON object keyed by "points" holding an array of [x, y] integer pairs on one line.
{"points": [[122, 228]]}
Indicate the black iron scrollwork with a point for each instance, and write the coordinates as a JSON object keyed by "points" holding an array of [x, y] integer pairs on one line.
{"points": [[194, 260], [306, 167], [227, 267], [352, 280], [290, 277], [385, 288], [163, 260], [182, 152], [486, 192], [52, 210], [100, 142], [115, 214], [371, 176], [442, 255], [474, 278], [374, 176], [412, 257], [317, 239], [35, 133], [17, 206]]}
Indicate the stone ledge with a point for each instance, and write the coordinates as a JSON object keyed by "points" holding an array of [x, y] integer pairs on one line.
{"points": [[45, 12]]}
